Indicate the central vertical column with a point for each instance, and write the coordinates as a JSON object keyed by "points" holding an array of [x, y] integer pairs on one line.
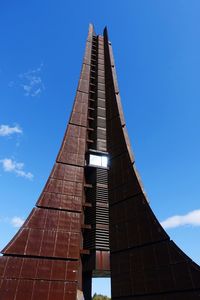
{"points": [[96, 237]]}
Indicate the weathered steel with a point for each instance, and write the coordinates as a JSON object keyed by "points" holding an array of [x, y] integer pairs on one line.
{"points": [[43, 260], [145, 263], [93, 219]]}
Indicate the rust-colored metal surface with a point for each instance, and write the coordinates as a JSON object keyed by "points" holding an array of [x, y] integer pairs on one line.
{"points": [[92, 219], [43, 260], [145, 263], [49, 233]]}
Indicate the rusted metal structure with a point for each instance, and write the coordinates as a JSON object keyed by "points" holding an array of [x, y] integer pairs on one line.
{"points": [[92, 218]]}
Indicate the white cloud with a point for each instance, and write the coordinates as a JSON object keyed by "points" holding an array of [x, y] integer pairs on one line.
{"points": [[32, 82], [191, 218], [6, 130], [17, 222], [10, 165]]}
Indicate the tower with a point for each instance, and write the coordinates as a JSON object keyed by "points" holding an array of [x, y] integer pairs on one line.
{"points": [[93, 218]]}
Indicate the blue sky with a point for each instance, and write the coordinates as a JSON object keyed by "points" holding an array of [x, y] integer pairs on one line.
{"points": [[157, 54]]}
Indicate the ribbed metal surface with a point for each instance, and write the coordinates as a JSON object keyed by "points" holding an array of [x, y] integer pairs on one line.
{"points": [[102, 176], [98, 214], [102, 194], [102, 240], [97, 238]]}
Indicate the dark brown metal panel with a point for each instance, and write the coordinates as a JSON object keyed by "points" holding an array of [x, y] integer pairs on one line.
{"points": [[13, 267], [186, 295], [85, 73], [194, 271], [59, 270], [24, 289], [56, 291], [45, 269], [33, 244], [80, 109], [43, 227], [87, 57], [19, 247], [122, 179], [145, 264], [45, 259], [41, 289], [113, 70], [38, 269], [70, 289], [3, 262], [64, 187], [37, 289], [47, 243], [73, 147], [83, 85], [67, 245], [102, 262], [60, 201], [8, 289], [29, 268], [44, 256], [118, 141], [67, 172], [142, 274]]}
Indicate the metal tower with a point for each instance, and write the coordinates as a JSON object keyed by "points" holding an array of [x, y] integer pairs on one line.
{"points": [[92, 218]]}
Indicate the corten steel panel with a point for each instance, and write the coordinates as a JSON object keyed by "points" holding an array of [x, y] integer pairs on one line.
{"points": [[67, 172], [73, 147], [125, 179], [102, 260], [85, 73], [117, 138], [145, 264], [36, 289], [87, 58], [79, 112], [174, 296], [44, 269], [44, 226], [25, 289], [3, 262], [8, 289], [64, 187], [49, 243], [60, 201], [13, 267], [44, 256], [133, 222], [83, 85]]}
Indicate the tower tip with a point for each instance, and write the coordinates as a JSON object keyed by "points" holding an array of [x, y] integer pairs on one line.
{"points": [[91, 29], [91, 26], [105, 32]]}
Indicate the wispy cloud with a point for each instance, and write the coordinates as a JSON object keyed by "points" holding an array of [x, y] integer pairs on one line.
{"points": [[6, 130], [17, 222], [191, 218], [12, 166], [31, 82]]}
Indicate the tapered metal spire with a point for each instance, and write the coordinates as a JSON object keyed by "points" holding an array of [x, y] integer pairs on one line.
{"points": [[92, 218]]}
